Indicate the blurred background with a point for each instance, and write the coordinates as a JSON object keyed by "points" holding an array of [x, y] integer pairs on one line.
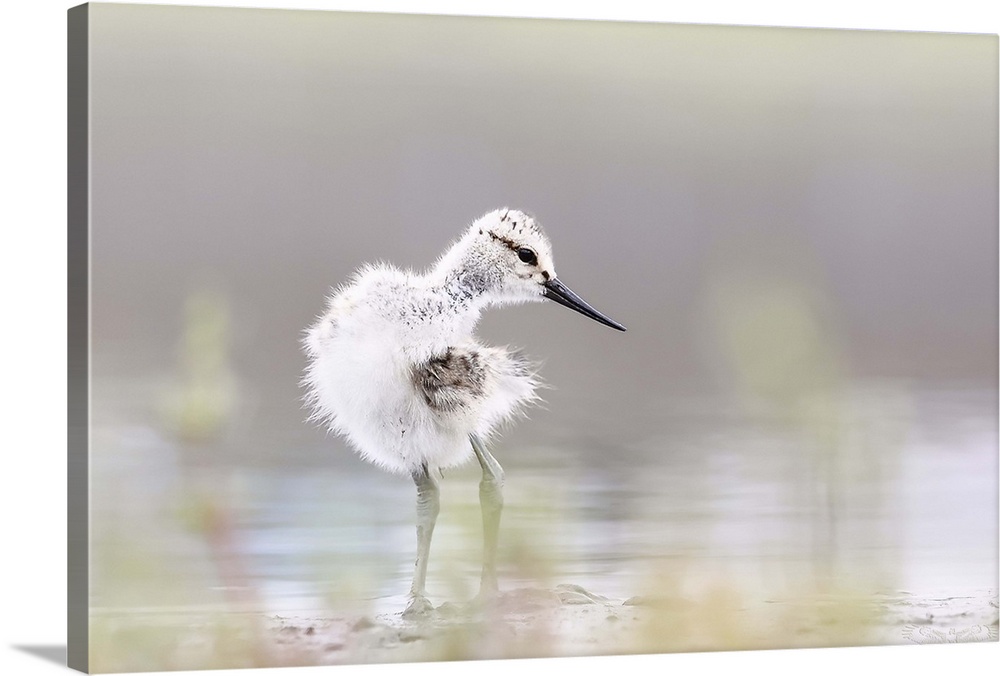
{"points": [[798, 227]]}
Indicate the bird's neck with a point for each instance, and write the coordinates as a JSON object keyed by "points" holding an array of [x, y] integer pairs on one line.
{"points": [[467, 288], [469, 279]]}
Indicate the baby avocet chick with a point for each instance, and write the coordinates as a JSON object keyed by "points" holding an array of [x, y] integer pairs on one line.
{"points": [[394, 366]]}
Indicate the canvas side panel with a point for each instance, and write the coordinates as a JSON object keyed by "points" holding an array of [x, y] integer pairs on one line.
{"points": [[78, 299]]}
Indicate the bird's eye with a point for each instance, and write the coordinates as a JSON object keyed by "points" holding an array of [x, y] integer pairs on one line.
{"points": [[527, 256]]}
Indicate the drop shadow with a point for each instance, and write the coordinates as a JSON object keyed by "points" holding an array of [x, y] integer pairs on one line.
{"points": [[50, 653]]}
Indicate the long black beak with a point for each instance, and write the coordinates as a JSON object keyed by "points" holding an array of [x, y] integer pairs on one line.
{"points": [[562, 294]]}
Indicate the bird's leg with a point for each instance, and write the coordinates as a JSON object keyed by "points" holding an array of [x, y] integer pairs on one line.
{"points": [[428, 505], [491, 502]]}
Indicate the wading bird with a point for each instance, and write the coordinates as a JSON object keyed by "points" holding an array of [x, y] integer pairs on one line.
{"points": [[393, 366]]}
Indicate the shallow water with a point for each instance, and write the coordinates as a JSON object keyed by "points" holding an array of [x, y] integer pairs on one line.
{"points": [[869, 519], [903, 502]]}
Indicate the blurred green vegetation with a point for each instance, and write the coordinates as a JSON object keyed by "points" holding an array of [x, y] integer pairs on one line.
{"points": [[200, 403]]}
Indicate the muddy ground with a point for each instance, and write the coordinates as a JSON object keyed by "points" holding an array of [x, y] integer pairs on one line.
{"points": [[569, 620]]}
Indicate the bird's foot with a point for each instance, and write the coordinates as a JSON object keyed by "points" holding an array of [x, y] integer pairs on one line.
{"points": [[418, 607]]}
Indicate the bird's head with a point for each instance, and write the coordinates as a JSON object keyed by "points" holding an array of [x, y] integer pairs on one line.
{"points": [[508, 257]]}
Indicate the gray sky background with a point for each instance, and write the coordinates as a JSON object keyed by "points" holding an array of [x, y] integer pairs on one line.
{"points": [[728, 193]]}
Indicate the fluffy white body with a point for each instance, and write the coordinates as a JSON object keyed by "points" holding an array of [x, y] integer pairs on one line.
{"points": [[394, 365]]}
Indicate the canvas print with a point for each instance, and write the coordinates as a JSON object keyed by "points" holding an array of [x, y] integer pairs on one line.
{"points": [[404, 338]]}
